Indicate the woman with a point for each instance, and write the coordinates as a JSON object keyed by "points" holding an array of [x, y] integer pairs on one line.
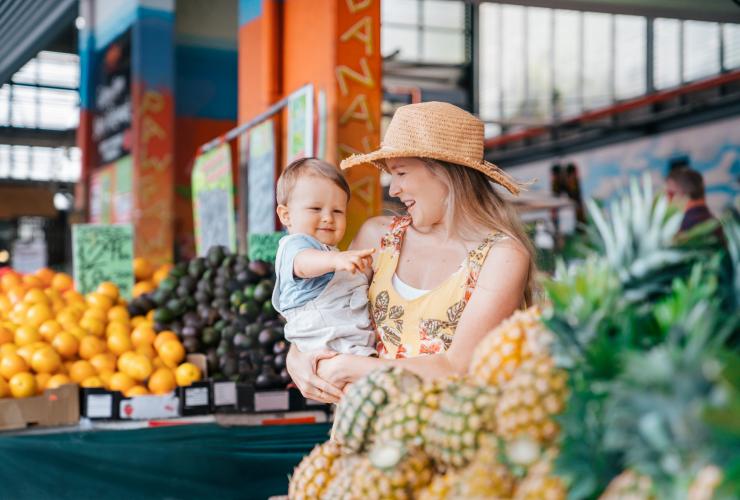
{"points": [[449, 271]]}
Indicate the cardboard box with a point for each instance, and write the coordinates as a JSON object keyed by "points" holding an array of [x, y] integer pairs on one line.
{"points": [[146, 407], [99, 404], [55, 407]]}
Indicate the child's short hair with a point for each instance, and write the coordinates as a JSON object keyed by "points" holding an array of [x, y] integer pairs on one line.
{"points": [[311, 166]]}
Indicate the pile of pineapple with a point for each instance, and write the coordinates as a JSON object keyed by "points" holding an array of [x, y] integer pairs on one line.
{"points": [[627, 385], [489, 434]]}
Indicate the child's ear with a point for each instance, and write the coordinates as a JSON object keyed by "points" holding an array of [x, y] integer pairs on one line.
{"points": [[283, 214]]}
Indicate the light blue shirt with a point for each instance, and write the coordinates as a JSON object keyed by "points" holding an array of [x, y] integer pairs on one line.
{"points": [[290, 290]]}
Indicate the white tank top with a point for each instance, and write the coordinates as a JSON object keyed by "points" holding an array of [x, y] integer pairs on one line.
{"points": [[406, 291]]}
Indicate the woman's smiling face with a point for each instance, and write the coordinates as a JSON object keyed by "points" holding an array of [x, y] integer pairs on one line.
{"points": [[423, 193]]}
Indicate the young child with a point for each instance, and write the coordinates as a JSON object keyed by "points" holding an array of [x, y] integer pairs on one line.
{"points": [[321, 292]]}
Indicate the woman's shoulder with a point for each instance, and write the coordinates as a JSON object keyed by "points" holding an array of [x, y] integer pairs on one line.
{"points": [[371, 231]]}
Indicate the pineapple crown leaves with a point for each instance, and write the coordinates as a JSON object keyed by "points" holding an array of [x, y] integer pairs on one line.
{"points": [[731, 229], [638, 236]]}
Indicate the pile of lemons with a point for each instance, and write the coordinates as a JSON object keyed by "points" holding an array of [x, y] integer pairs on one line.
{"points": [[51, 335]]}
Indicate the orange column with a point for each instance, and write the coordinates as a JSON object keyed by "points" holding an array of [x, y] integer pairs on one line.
{"points": [[340, 55]]}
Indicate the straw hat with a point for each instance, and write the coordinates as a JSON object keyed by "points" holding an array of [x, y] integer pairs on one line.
{"points": [[436, 130]]}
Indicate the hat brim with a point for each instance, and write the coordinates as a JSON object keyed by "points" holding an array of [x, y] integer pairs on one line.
{"points": [[492, 171]]}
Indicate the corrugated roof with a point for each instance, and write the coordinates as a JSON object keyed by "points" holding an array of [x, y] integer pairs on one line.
{"points": [[27, 27]]}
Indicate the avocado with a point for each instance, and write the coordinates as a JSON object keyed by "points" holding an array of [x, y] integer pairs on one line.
{"points": [[249, 310], [163, 315], [280, 347], [228, 365], [279, 361], [259, 267], [191, 344], [262, 292], [215, 255], [285, 377], [177, 306], [197, 267], [210, 336], [237, 298], [242, 342], [268, 311], [168, 284]]}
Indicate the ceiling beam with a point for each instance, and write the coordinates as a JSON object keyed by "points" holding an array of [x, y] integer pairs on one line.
{"points": [[721, 11]]}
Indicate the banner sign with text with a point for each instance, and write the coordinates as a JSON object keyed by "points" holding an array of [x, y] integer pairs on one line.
{"points": [[300, 124], [213, 200], [103, 253], [261, 173]]}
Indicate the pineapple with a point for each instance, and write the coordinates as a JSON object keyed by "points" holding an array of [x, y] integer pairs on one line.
{"points": [[465, 412], [391, 471], [484, 478], [356, 413], [503, 350], [629, 485], [540, 483], [314, 473], [530, 399], [405, 418]]}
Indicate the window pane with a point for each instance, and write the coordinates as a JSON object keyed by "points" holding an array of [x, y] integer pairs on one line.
{"points": [[444, 47], [27, 74], [566, 63], [512, 54], [731, 34], [596, 60], [667, 66], [701, 49], [21, 162], [56, 68], [41, 163], [630, 56], [404, 40], [4, 161], [400, 11], [59, 109], [538, 62], [490, 53], [4, 96], [443, 13], [24, 106]]}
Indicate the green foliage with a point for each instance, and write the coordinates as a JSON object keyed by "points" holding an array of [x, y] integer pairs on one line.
{"points": [[643, 326]]}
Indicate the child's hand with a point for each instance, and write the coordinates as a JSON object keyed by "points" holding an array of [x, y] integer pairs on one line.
{"points": [[353, 260]]}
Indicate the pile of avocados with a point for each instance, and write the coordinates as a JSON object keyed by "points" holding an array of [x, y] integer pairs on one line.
{"points": [[220, 305]]}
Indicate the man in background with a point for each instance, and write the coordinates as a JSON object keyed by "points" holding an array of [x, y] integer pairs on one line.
{"points": [[685, 186]]}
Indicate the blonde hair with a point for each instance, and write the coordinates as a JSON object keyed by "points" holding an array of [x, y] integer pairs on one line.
{"points": [[474, 207], [308, 166]]}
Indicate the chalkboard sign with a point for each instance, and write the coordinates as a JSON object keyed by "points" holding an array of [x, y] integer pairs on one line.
{"points": [[103, 253], [213, 200], [111, 125], [264, 246], [261, 173]]}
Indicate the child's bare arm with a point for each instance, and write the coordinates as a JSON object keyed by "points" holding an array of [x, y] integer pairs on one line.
{"points": [[311, 263]]}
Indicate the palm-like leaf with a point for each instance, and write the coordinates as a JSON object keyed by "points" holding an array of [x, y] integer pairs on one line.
{"points": [[637, 234]]}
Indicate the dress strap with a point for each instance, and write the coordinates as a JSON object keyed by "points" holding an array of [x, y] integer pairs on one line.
{"points": [[477, 257], [394, 237]]}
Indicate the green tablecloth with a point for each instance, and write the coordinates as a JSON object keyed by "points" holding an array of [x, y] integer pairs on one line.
{"points": [[192, 461]]}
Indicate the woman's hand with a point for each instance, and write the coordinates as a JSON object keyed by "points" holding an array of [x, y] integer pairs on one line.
{"points": [[302, 369]]}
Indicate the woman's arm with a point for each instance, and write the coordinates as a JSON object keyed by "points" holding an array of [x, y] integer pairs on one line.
{"points": [[498, 293]]}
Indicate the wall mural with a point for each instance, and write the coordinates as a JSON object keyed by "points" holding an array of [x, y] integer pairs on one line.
{"points": [[712, 149]]}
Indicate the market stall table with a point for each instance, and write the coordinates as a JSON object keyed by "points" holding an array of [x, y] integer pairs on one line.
{"points": [[181, 461]]}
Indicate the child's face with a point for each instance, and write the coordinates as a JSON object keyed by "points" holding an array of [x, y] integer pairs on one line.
{"points": [[316, 207]]}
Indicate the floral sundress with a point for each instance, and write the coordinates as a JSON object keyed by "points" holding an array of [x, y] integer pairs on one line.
{"points": [[425, 325]]}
